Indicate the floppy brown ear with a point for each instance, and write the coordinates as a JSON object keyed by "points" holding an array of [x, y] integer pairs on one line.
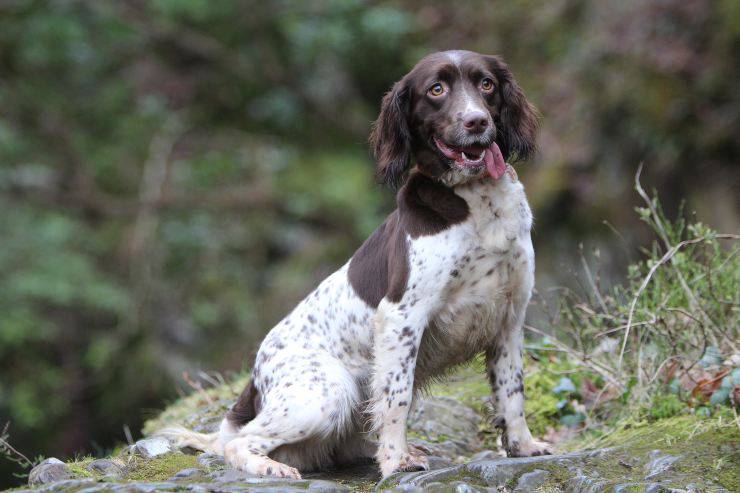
{"points": [[518, 120], [390, 139]]}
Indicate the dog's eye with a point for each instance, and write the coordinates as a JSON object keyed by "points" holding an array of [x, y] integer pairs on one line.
{"points": [[486, 84], [437, 89]]}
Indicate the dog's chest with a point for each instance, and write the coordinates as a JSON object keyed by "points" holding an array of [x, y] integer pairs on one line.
{"points": [[492, 273], [495, 248]]}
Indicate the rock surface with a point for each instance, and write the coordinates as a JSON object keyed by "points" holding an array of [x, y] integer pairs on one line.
{"points": [[49, 471], [454, 435], [576, 472], [452, 426], [106, 467], [151, 447]]}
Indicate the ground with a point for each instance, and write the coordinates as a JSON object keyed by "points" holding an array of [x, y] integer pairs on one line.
{"points": [[680, 453]]}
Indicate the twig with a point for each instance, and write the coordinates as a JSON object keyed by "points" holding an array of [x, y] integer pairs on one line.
{"points": [[624, 326], [127, 434], [717, 378], [600, 369], [660, 367], [197, 386], [11, 452], [591, 281], [664, 236], [669, 254]]}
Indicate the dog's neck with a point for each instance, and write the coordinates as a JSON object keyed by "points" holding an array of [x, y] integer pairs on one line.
{"points": [[454, 177]]}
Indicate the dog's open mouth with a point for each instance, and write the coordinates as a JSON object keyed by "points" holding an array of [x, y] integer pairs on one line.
{"points": [[475, 156]]}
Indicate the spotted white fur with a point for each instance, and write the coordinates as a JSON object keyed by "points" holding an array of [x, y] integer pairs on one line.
{"points": [[337, 377]]}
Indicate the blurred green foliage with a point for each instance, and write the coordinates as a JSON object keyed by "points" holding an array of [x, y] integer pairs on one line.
{"points": [[176, 174]]}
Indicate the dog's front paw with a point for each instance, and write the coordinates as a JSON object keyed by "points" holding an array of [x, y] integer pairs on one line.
{"points": [[528, 448], [412, 460]]}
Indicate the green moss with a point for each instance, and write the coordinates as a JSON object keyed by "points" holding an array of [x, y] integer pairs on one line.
{"points": [[467, 384], [78, 467], [666, 406], [708, 451], [541, 403], [708, 447], [159, 468], [559, 476]]}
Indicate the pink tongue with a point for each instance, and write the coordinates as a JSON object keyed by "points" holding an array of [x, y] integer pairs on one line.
{"points": [[495, 162]]}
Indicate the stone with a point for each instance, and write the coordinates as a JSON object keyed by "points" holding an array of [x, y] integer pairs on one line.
{"points": [[326, 486], [65, 485], [659, 463], [189, 473], [499, 472], [211, 461], [446, 449], [50, 470], [151, 447], [235, 476], [486, 455], [438, 462], [530, 481], [452, 487], [108, 468], [444, 418]]}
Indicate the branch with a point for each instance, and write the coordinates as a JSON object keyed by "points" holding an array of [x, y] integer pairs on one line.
{"points": [[10, 452], [664, 236], [601, 370]]}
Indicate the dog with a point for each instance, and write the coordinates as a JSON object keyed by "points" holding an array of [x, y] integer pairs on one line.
{"points": [[445, 278]]}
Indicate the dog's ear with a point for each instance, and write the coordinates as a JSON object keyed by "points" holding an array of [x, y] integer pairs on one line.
{"points": [[518, 118], [390, 139]]}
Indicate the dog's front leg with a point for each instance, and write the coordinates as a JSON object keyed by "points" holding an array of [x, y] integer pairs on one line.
{"points": [[504, 366], [397, 337]]}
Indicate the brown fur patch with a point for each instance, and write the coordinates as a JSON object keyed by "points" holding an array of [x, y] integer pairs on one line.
{"points": [[428, 207], [380, 267], [246, 407]]}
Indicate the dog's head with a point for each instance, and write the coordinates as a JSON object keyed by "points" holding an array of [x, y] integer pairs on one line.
{"points": [[451, 114]]}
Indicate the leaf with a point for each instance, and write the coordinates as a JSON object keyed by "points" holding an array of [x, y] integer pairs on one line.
{"points": [[720, 396], [565, 385], [675, 386], [573, 420], [712, 357]]}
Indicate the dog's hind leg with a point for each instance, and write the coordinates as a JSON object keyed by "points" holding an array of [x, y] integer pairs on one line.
{"points": [[249, 453], [300, 422]]}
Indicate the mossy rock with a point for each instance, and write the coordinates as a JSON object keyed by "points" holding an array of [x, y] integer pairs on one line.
{"points": [[675, 452], [681, 452]]}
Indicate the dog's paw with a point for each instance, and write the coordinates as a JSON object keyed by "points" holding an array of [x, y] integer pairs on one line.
{"points": [[278, 470], [419, 449], [529, 448], [413, 460]]}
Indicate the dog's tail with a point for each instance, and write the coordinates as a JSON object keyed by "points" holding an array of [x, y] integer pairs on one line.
{"points": [[242, 412], [182, 437]]}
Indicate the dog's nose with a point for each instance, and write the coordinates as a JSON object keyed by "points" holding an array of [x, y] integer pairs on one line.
{"points": [[475, 122]]}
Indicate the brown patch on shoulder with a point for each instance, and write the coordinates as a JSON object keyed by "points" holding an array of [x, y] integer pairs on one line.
{"points": [[380, 267], [245, 409]]}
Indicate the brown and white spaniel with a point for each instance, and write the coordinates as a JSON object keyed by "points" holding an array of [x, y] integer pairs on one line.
{"points": [[446, 277]]}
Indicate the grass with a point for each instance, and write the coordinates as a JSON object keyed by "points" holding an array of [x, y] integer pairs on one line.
{"points": [[202, 405], [665, 340]]}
